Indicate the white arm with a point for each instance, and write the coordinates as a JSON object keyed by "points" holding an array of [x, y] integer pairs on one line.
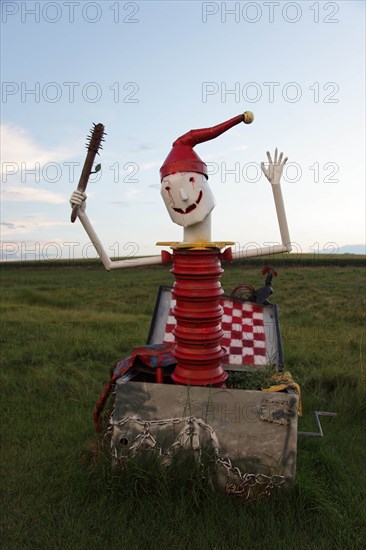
{"points": [[281, 216], [262, 251], [273, 174], [107, 262]]}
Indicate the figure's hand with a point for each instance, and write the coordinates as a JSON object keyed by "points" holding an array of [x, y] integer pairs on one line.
{"points": [[273, 171], [78, 198]]}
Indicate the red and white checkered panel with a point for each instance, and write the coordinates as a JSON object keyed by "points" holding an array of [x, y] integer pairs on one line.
{"points": [[244, 336]]}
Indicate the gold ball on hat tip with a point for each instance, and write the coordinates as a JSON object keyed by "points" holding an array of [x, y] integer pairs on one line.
{"points": [[248, 117]]}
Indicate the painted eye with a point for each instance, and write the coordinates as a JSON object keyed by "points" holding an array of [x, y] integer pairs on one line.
{"points": [[167, 188], [191, 179]]}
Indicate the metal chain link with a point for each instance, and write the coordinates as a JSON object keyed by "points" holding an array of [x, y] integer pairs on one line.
{"points": [[247, 482], [247, 485]]}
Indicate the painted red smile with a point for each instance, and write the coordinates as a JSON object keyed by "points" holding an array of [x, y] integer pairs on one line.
{"points": [[191, 207]]}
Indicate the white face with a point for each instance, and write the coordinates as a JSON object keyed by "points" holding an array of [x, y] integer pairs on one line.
{"points": [[188, 197]]}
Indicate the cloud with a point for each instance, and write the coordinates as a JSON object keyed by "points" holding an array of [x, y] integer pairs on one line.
{"points": [[132, 193], [18, 193], [240, 148], [8, 225], [128, 205], [23, 159], [225, 153], [150, 165], [18, 146], [21, 227]]}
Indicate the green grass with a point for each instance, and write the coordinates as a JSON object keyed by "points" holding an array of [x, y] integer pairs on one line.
{"points": [[64, 325]]}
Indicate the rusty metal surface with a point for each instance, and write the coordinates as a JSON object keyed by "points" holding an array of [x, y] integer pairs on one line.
{"points": [[257, 431]]}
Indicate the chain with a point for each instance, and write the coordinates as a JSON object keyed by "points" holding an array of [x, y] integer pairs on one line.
{"points": [[246, 485], [188, 437]]}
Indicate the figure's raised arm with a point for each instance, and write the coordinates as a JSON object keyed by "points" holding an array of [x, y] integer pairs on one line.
{"points": [[78, 205], [273, 172]]}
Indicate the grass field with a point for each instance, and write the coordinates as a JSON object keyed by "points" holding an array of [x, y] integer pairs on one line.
{"points": [[64, 325]]}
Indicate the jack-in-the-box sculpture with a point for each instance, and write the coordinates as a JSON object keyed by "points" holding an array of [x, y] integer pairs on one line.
{"points": [[254, 430]]}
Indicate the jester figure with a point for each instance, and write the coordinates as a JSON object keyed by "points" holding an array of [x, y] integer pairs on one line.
{"points": [[196, 259]]}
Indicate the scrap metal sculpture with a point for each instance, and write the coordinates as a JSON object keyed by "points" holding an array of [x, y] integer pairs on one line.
{"points": [[197, 260], [196, 357]]}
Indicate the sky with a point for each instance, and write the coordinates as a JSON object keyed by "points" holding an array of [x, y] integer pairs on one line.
{"points": [[151, 71]]}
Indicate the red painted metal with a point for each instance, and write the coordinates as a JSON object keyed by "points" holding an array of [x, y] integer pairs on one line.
{"points": [[182, 157], [198, 313], [159, 375], [166, 257], [227, 255]]}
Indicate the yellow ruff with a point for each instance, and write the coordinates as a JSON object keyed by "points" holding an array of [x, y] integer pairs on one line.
{"points": [[198, 245]]}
